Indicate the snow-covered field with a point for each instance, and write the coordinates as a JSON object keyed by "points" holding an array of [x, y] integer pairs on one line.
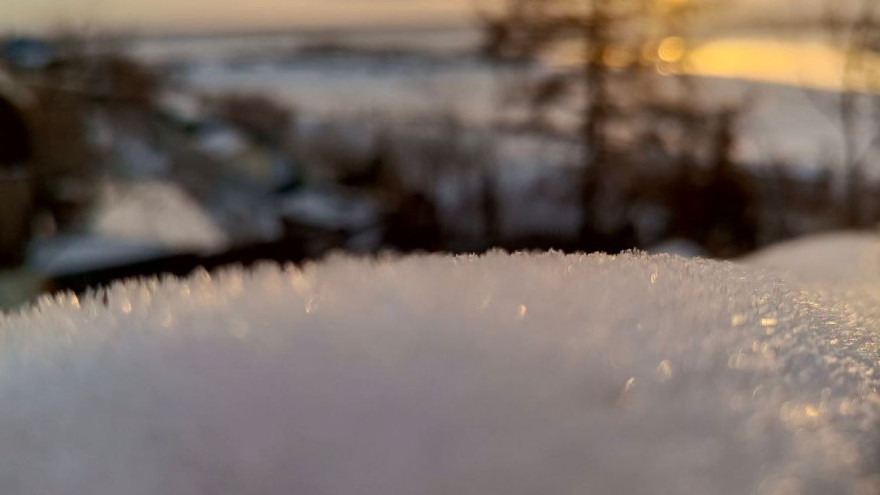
{"points": [[783, 124], [515, 374]]}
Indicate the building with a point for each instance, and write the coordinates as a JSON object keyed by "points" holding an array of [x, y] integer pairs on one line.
{"points": [[16, 175]]}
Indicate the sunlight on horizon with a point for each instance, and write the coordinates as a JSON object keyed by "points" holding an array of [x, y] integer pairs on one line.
{"points": [[810, 64], [813, 65]]}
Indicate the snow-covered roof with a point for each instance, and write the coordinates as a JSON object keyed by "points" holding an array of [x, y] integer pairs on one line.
{"points": [[221, 142], [523, 374], [76, 254], [157, 213], [330, 209], [183, 106]]}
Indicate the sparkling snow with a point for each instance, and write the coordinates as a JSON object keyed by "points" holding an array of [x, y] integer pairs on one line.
{"points": [[502, 374]]}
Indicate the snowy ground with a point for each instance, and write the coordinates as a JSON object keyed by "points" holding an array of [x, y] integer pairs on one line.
{"points": [[849, 258], [783, 124], [521, 374]]}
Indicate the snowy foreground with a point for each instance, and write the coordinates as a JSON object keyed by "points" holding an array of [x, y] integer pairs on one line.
{"points": [[523, 374]]}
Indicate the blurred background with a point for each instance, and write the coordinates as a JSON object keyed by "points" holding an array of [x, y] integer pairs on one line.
{"points": [[139, 138]]}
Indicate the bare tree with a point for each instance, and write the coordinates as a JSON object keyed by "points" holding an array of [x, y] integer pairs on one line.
{"points": [[853, 29], [857, 36], [625, 75]]}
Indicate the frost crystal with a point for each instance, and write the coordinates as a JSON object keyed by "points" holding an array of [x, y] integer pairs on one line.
{"points": [[501, 374]]}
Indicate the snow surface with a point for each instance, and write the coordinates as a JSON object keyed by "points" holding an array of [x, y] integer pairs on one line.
{"points": [[834, 258], [501, 374]]}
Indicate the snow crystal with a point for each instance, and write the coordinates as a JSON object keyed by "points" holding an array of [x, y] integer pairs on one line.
{"points": [[500, 374]]}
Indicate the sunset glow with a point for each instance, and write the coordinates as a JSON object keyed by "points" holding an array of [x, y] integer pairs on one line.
{"points": [[805, 64], [812, 65]]}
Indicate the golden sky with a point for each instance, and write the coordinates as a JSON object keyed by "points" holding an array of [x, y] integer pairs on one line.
{"points": [[212, 15], [177, 15]]}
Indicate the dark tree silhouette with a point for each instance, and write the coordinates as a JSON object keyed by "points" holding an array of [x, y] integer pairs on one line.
{"points": [[15, 138], [638, 115]]}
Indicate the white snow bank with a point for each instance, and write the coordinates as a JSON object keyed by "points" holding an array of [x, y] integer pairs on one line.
{"points": [[487, 375], [839, 257]]}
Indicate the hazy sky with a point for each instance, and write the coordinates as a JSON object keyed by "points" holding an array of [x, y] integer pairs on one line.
{"points": [[177, 15], [210, 15]]}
